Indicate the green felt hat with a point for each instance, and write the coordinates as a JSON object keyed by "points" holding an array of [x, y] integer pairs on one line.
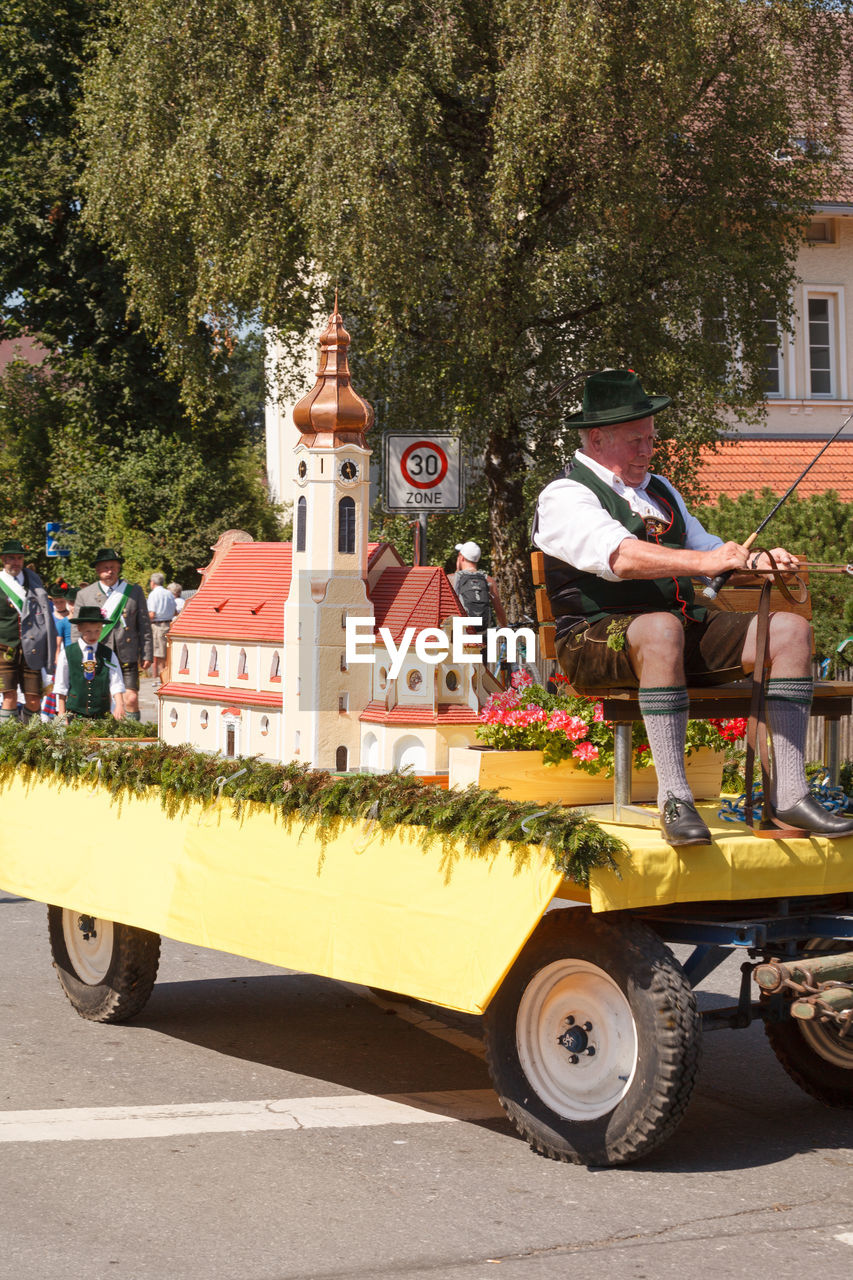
{"points": [[106, 553], [88, 613], [58, 590], [12, 547], [614, 396]]}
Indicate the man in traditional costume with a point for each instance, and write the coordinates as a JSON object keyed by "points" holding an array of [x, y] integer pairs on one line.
{"points": [[620, 550], [27, 633], [126, 628], [88, 676]]}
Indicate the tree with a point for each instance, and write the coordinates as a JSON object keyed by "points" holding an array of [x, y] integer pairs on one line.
{"points": [[509, 193], [97, 436]]}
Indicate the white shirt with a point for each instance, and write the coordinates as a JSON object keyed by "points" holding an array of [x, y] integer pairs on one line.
{"points": [[162, 604], [61, 683], [573, 525]]}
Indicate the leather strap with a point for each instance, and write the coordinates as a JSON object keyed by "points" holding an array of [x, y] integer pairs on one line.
{"points": [[756, 730]]}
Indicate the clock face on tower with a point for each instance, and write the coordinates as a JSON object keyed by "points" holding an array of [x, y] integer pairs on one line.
{"points": [[302, 470], [348, 470]]}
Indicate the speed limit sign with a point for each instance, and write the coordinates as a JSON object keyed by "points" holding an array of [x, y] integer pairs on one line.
{"points": [[422, 474]]}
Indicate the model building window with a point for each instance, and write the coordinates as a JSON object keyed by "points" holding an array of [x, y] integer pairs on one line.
{"points": [[301, 523], [452, 681], [173, 717], [265, 726], [414, 679], [344, 666], [275, 668], [203, 719], [230, 740], [343, 702], [213, 664], [242, 666], [341, 759], [184, 668], [346, 526]]}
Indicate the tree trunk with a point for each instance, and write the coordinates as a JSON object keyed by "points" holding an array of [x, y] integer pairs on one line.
{"points": [[508, 520]]}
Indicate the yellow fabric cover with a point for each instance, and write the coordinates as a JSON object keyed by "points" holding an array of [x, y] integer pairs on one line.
{"points": [[443, 925], [737, 865]]}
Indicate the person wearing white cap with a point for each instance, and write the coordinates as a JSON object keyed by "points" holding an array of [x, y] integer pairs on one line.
{"points": [[477, 592]]}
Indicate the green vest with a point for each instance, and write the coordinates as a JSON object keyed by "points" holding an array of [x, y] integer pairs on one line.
{"points": [[10, 624], [88, 697], [575, 594]]}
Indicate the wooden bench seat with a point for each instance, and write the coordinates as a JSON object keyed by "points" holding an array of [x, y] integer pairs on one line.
{"points": [[833, 699]]}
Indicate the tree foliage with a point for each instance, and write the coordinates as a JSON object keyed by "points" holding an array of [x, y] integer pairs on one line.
{"points": [[820, 527], [97, 436], [510, 194]]}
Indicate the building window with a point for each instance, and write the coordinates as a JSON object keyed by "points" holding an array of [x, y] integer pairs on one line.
{"points": [[343, 702], [230, 740], [173, 717], [452, 681], [341, 759], [346, 526], [213, 664], [203, 719], [275, 667], [344, 666], [773, 364], [301, 523], [242, 666], [383, 677], [414, 679], [184, 668], [297, 738], [821, 362], [265, 726]]}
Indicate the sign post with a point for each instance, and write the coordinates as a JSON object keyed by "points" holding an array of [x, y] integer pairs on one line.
{"points": [[423, 476]]}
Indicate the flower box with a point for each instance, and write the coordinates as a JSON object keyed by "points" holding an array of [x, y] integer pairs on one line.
{"points": [[521, 775]]}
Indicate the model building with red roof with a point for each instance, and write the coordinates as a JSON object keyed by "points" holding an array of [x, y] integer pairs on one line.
{"points": [[258, 661]]}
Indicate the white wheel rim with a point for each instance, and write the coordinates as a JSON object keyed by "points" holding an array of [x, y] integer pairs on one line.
{"points": [[90, 957], [568, 1008], [824, 1039]]}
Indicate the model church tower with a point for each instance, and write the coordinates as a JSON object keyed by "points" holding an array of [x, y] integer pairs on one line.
{"points": [[322, 698]]}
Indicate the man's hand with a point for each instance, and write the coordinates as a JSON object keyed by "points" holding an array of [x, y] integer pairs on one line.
{"points": [[145, 665], [784, 560], [728, 558]]}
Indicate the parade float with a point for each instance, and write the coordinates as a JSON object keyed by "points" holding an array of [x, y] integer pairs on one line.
{"points": [[280, 818]]}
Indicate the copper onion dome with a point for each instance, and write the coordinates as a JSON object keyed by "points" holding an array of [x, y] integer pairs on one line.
{"points": [[332, 413]]}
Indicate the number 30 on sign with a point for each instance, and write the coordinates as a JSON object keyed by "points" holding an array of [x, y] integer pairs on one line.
{"points": [[422, 473]]}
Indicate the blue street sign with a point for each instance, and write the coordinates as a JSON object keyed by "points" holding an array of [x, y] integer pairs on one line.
{"points": [[53, 531]]}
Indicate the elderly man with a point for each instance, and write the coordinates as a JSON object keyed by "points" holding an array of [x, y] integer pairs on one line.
{"points": [[127, 628], [620, 550], [161, 610], [27, 633]]}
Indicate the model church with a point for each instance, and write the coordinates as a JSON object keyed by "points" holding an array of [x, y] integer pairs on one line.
{"points": [[257, 660]]}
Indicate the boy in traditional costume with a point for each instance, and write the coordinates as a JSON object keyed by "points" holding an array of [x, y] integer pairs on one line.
{"points": [[27, 633], [88, 676], [126, 626], [620, 550]]}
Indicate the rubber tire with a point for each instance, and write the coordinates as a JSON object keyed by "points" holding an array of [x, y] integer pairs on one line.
{"points": [[667, 1026], [128, 982]]}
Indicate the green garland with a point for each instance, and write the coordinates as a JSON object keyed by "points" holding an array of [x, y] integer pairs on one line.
{"points": [[183, 776]]}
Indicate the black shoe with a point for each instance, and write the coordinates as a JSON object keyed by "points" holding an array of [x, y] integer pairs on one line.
{"points": [[809, 815], [681, 824]]}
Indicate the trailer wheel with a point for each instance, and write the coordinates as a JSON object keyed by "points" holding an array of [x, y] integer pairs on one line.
{"points": [[107, 970], [593, 1040], [813, 1053]]}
